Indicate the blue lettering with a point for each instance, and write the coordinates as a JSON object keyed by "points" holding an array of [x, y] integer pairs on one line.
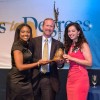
{"points": [[87, 25], [35, 21], [2, 28]]}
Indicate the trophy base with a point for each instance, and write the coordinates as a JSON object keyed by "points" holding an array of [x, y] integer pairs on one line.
{"points": [[54, 60]]}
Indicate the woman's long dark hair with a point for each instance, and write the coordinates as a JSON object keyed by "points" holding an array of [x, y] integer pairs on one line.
{"points": [[68, 41], [17, 32]]}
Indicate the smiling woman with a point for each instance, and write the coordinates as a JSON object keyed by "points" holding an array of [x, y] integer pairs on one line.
{"points": [[19, 78], [25, 33], [79, 57], [21, 56]]}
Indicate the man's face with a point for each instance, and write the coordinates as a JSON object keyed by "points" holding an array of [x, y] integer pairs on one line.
{"points": [[48, 28]]}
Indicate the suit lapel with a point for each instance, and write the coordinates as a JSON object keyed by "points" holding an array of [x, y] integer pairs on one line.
{"points": [[53, 48], [39, 44]]}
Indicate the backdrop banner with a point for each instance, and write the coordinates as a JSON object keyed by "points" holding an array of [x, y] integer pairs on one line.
{"points": [[33, 12]]}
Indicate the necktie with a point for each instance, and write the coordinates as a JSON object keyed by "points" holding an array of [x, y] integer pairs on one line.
{"points": [[45, 50], [45, 56]]}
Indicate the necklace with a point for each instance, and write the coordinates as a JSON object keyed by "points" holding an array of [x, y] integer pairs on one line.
{"points": [[75, 49]]}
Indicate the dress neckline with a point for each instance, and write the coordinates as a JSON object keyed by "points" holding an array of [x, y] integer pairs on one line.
{"points": [[24, 43]]}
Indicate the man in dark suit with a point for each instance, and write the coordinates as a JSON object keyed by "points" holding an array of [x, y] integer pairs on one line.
{"points": [[46, 85]]}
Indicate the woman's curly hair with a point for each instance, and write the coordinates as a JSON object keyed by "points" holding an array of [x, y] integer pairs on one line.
{"points": [[68, 41]]}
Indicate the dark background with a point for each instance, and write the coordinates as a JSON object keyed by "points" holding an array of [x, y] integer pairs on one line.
{"points": [[63, 75]]}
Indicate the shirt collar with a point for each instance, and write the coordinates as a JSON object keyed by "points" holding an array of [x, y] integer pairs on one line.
{"points": [[49, 39]]}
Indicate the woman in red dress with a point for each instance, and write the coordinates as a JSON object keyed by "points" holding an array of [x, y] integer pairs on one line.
{"points": [[78, 56]]}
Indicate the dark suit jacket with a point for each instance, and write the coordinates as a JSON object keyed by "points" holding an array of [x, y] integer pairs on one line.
{"points": [[36, 44]]}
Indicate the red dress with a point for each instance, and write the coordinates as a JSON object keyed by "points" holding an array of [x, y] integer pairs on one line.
{"points": [[78, 81]]}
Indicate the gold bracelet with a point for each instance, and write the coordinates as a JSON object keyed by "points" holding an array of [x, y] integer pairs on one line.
{"points": [[38, 64]]}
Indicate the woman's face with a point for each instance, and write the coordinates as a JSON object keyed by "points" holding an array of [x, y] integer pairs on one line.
{"points": [[73, 33], [25, 33]]}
